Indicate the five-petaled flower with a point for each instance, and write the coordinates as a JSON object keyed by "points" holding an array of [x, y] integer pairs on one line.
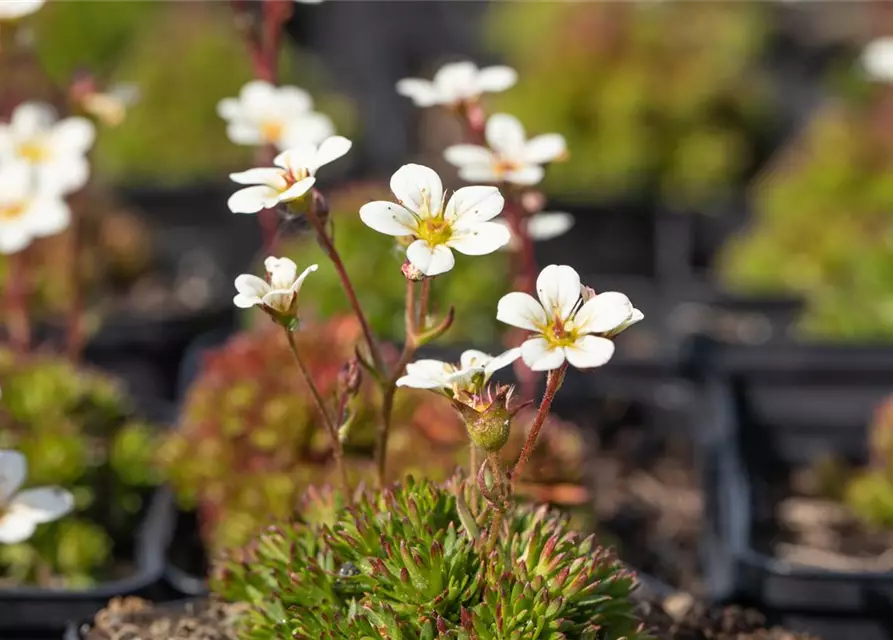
{"points": [[511, 156], [456, 83], [27, 212], [278, 295], [463, 224], [293, 176], [567, 324], [470, 376], [877, 59], [280, 116], [56, 149], [14, 9], [22, 510]]}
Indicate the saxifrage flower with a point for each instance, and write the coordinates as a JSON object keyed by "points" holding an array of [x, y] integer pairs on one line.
{"points": [[457, 82], [21, 510]]}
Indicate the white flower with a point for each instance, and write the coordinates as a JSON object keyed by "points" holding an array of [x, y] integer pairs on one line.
{"points": [[542, 226], [27, 212], [877, 59], [110, 107], [15, 9], [567, 327], [22, 511], [511, 156], [278, 295], [472, 373], [281, 116], [55, 148], [457, 82], [462, 225], [292, 177]]}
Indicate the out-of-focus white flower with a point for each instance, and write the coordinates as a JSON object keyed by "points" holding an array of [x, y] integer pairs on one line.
{"points": [[541, 227], [567, 326], [110, 107], [293, 176], [278, 294], [877, 59], [309, 1], [56, 149], [280, 116], [14, 9], [22, 510], [463, 224], [511, 156], [457, 82], [471, 374], [26, 211]]}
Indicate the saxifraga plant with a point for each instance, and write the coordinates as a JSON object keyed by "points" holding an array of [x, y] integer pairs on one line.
{"points": [[402, 564]]}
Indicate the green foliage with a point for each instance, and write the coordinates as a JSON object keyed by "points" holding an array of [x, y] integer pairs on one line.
{"points": [[823, 226], [373, 262], [658, 97], [76, 430], [870, 492], [399, 565]]}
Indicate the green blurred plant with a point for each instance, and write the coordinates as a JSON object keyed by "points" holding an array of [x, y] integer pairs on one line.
{"points": [[870, 492], [249, 442], [372, 259], [823, 225], [403, 564], [662, 98], [76, 430]]}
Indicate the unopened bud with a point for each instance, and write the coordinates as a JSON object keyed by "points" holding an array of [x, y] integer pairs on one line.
{"points": [[488, 424], [533, 201], [412, 272], [350, 377], [587, 293]]}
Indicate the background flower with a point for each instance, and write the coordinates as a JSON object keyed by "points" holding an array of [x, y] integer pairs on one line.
{"points": [[457, 82], [27, 212], [22, 510]]}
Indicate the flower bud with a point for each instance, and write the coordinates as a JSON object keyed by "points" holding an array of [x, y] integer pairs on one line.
{"points": [[350, 377], [412, 272], [533, 201], [487, 420]]}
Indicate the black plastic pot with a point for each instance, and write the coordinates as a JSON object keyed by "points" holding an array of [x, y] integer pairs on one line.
{"points": [[768, 411], [37, 612]]}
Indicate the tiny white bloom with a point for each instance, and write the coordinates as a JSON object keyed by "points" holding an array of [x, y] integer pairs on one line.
{"points": [[55, 148], [293, 176], [567, 325], [463, 224], [278, 295], [511, 156], [15, 9], [266, 114], [474, 370], [110, 107], [457, 82], [22, 510], [27, 212], [542, 226], [877, 59]]}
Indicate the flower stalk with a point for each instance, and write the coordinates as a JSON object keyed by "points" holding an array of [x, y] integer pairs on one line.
{"points": [[18, 320]]}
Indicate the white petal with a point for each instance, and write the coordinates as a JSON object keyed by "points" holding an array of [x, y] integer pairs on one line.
{"points": [[301, 156], [280, 300], [544, 149], [426, 374], [15, 9], [431, 261], [293, 101], [15, 528], [539, 355], [246, 302], [558, 288], [480, 173], [496, 78], [421, 92], [43, 504], [548, 225], [637, 316], [480, 239], [251, 290], [311, 127], [473, 358], [15, 181], [505, 134], [471, 205], [299, 282], [331, 149], [241, 132], [13, 470], [589, 351], [32, 119], [456, 81], [282, 272], [229, 109], [605, 312], [14, 238], [502, 360], [388, 218], [525, 176], [268, 176], [64, 174], [258, 99], [418, 188], [877, 59], [73, 135], [253, 199], [297, 190], [521, 310], [47, 216], [460, 155]]}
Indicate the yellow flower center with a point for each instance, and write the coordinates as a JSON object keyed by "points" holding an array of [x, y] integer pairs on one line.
{"points": [[503, 166], [33, 151], [559, 334], [435, 231], [10, 212], [271, 130]]}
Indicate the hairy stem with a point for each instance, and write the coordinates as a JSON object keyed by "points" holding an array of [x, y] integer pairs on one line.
{"points": [[553, 383], [337, 448]]}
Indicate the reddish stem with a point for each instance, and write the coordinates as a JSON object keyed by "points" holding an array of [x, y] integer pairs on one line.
{"points": [[553, 383], [18, 321]]}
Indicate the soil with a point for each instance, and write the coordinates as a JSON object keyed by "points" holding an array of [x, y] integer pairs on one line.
{"points": [[814, 530]]}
